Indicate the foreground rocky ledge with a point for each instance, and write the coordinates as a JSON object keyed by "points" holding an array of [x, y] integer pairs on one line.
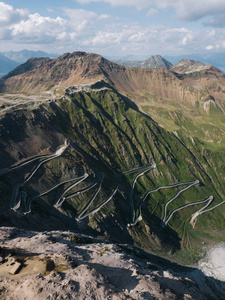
{"points": [[65, 265]]}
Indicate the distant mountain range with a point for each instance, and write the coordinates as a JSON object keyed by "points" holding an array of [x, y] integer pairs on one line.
{"points": [[153, 62], [11, 59], [24, 55], [215, 59], [6, 64]]}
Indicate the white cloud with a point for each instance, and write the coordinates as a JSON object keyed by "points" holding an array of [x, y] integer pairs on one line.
{"points": [[190, 10], [209, 47], [80, 29], [9, 15], [104, 17], [37, 28]]}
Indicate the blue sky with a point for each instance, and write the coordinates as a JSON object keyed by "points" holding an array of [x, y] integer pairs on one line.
{"points": [[114, 27]]}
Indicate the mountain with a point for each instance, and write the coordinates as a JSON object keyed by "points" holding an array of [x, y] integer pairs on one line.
{"points": [[11, 59], [130, 155], [202, 77], [215, 59], [154, 62], [188, 66], [31, 64], [6, 64], [23, 55]]}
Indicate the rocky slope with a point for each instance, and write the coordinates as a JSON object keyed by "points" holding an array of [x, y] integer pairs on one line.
{"points": [[188, 66], [66, 265], [153, 62]]}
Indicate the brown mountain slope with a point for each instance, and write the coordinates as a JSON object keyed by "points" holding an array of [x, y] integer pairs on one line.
{"points": [[80, 67], [209, 79]]}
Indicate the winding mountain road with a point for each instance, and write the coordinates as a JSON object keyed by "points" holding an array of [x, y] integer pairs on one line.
{"points": [[80, 191], [192, 183], [139, 217], [80, 216], [208, 200], [60, 198], [202, 211], [27, 207], [132, 189], [16, 198], [114, 191], [57, 153], [52, 156]]}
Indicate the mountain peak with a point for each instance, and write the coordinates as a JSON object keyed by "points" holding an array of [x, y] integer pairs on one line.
{"points": [[188, 66], [153, 62], [156, 62]]}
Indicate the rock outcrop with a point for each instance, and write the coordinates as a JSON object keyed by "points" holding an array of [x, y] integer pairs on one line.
{"points": [[66, 265]]}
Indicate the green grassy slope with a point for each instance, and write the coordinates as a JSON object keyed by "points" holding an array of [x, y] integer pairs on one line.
{"points": [[124, 137], [109, 134]]}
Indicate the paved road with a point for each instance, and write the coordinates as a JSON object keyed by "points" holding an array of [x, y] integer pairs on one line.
{"points": [[27, 205], [52, 156], [138, 218], [114, 191], [201, 211], [80, 191], [208, 200], [132, 189], [57, 153], [153, 191], [16, 196], [60, 199], [80, 216], [192, 183]]}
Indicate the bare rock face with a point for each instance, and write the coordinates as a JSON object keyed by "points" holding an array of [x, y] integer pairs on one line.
{"points": [[56, 266]]}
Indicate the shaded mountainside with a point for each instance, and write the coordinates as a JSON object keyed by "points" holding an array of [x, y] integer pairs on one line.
{"points": [[153, 62], [117, 119]]}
